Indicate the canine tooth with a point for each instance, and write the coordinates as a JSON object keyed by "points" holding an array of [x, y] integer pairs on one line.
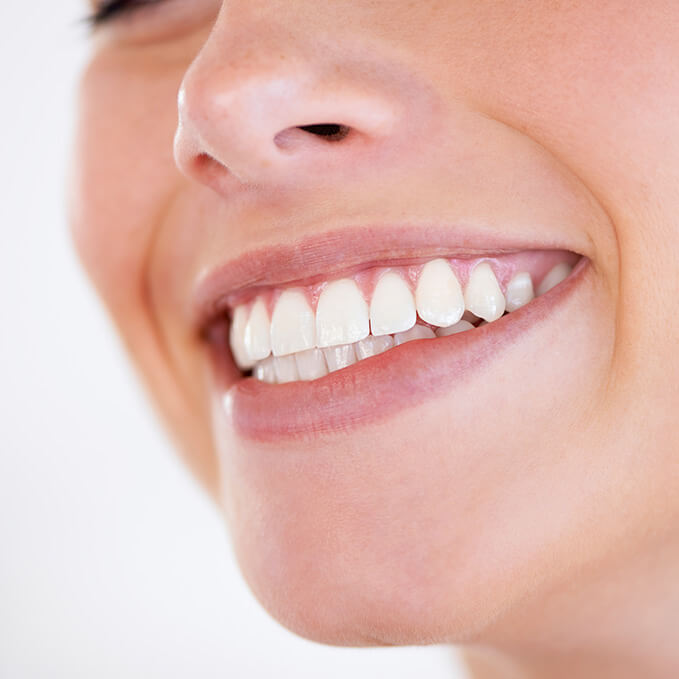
{"points": [[438, 295], [338, 357], [554, 277], [392, 308], [415, 333], [264, 371], [311, 364], [341, 314], [257, 341], [460, 326], [482, 295], [237, 338], [285, 368], [519, 291], [293, 326], [371, 346]]}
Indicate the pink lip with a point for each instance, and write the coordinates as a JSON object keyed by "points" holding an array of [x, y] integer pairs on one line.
{"points": [[344, 251], [380, 386]]}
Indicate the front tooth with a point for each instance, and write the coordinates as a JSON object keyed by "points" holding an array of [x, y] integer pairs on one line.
{"points": [[257, 340], [237, 338], [339, 356], [264, 371], [519, 291], [285, 369], [293, 326], [392, 308], [311, 364], [341, 314], [438, 295], [415, 333], [371, 346], [554, 277], [460, 326], [483, 296]]}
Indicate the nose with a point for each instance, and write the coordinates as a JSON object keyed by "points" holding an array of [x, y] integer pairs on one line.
{"points": [[259, 106]]}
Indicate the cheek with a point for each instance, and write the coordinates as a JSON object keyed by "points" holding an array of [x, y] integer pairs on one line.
{"points": [[124, 182], [425, 529], [124, 175]]}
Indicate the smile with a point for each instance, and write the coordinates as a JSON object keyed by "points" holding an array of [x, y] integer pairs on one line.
{"points": [[304, 333], [298, 355]]}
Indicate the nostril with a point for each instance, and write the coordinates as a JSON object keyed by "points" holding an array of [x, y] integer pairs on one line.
{"points": [[295, 138], [328, 131]]}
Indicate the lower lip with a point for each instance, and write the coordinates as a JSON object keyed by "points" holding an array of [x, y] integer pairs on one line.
{"points": [[381, 386]]}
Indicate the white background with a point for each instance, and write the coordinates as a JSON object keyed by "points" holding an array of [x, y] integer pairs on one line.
{"points": [[112, 561]]}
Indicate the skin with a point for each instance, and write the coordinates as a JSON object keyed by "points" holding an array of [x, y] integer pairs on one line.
{"points": [[531, 512]]}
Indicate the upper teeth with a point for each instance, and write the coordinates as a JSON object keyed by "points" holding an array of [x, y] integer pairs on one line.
{"points": [[392, 308], [293, 326], [519, 291], [439, 295], [554, 277], [257, 339], [483, 296], [344, 328], [341, 314]]}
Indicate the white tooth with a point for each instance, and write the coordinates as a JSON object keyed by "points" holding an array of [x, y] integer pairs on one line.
{"points": [[438, 295], [483, 296], [264, 371], [519, 291], [339, 357], [371, 346], [554, 277], [392, 308], [311, 364], [257, 341], [341, 314], [293, 326], [237, 337], [285, 368], [460, 326], [415, 333]]}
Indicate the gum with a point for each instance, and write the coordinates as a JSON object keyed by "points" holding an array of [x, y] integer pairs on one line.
{"points": [[536, 262]]}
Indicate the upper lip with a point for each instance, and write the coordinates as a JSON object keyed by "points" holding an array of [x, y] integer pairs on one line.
{"points": [[342, 252]]}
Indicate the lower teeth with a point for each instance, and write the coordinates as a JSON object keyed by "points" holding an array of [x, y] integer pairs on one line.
{"points": [[314, 363]]}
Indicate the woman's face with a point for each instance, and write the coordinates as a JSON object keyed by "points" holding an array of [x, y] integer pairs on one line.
{"points": [[447, 489]]}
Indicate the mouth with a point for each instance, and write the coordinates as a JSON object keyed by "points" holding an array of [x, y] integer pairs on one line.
{"points": [[323, 336]]}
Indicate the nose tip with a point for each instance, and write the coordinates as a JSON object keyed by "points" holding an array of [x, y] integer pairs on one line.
{"points": [[279, 121]]}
